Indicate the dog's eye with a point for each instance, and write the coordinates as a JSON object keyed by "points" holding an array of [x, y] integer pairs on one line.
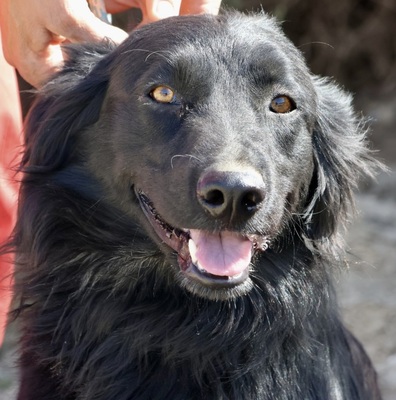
{"points": [[282, 104], [163, 94]]}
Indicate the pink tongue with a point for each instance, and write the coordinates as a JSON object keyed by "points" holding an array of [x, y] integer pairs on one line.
{"points": [[222, 254]]}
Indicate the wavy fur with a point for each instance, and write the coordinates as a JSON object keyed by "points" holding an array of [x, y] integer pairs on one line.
{"points": [[104, 312]]}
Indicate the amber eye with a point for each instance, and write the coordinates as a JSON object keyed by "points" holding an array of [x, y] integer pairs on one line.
{"points": [[282, 104], [163, 94]]}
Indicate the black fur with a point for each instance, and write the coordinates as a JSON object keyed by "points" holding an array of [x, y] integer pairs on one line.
{"points": [[106, 312]]}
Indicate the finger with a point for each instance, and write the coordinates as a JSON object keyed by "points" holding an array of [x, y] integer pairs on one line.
{"points": [[160, 9], [33, 51], [200, 7], [37, 68], [98, 8], [116, 6], [78, 24]]}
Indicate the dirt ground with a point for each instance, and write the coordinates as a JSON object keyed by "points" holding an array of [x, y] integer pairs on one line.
{"points": [[367, 290]]}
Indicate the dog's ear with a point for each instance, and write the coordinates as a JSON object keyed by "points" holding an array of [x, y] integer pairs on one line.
{"points": [[65, 105], [341, 156]]}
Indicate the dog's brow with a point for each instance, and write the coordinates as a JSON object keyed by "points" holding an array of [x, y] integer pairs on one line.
{"points": [[150, 53]]}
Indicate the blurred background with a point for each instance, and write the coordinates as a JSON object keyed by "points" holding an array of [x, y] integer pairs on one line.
{"points": [[353, 41]]}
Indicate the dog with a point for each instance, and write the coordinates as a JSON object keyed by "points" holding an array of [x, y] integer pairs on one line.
{"points": [[180, 221]]}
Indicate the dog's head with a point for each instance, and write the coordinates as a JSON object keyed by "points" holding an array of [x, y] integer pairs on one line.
{"points": [[212, 134]]}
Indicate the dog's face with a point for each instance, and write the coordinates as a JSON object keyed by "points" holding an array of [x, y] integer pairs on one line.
{"points": [[205, 136], [210, 132]]}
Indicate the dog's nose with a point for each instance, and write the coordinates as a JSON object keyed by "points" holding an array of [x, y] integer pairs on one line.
{"points": [[231, 195]]}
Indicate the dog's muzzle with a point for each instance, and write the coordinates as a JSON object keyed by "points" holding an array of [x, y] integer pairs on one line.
{"points": [[214, 259]]}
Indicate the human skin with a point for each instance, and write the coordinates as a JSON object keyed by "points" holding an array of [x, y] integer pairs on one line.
{"points": [[33, 30]]}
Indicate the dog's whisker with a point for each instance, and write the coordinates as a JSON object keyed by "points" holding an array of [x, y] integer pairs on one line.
{"points": [[318, 43], [190, 156]]}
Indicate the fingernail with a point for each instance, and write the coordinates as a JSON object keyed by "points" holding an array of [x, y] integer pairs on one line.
{"points": [[165, 9]]}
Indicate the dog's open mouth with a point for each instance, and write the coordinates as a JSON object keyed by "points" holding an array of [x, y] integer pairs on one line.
{"points": [[220, 259]]}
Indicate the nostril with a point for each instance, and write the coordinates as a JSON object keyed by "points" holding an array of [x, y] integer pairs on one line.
{"points": [[251, 200], [214, 197], [230, 194]]}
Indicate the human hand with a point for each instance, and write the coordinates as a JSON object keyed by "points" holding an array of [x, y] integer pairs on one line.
{"points": [[154, 10], [33, 30]]}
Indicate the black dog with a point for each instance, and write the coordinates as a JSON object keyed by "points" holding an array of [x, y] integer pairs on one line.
{"points": [[179, 221]]}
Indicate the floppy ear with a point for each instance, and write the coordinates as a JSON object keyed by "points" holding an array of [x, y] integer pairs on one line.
{"points": [[66, 104], [341, 156]]}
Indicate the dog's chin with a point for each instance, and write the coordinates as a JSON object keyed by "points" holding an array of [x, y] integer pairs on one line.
{"points": [[213, 265]]}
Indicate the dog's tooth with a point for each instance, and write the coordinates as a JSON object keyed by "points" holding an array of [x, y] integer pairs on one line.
{"points": [[193, 249], [177, 232], [182, 234], [259, 242], [264, 246], [171, 233], [253, 238]]}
